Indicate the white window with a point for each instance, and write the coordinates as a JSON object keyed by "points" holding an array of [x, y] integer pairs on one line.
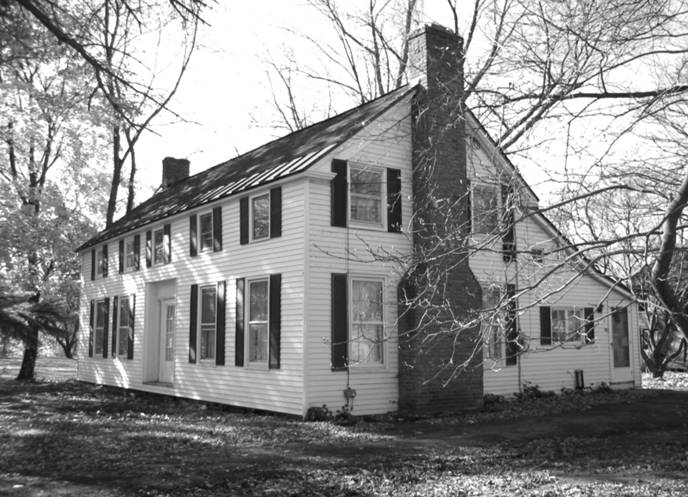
{"points": [[123, 326], [205, 231], [366, 193], [258, 318], [485, 209], [568, 324], [492, 320], [130, 255], [99, 328], [102, 261], [367, 325], [161, 244], [208, 321], [260, 217]]}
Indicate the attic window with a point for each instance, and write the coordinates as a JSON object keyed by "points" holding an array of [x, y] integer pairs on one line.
{"points": [[366, 194]]}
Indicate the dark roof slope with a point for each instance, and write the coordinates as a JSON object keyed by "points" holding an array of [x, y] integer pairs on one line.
{"points": [[277, 159]]}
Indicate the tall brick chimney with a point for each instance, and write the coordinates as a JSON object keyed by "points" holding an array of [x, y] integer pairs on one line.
{"points": [[174, 170], [432, 348]]}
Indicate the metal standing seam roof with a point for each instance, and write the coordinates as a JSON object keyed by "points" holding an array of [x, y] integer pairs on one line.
{"points": [[280, 158]]}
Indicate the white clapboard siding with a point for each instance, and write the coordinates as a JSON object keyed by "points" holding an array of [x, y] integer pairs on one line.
{"points": [[277, 390], [549, 367], [386, 144]]}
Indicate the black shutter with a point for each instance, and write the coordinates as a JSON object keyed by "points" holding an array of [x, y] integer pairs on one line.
{"points": [[276, 212], [243, 221], [239, 330], [167, 232], [469, 207], [193, 236], [275, 320], [91, 325], [512, 348], [193, 322], [217, 229], [589, 313], [121, 256], [137, 252], [149, 248], [105, 260], [132, 315], [93, 264], [545, 326], [508, 239], [106, 318], [340, 323], [393, 200], [338, 193], [115, 316], [220, 324]]}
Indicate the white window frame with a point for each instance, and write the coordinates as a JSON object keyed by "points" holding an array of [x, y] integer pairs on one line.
{"points": [[574, 324], [201, 215], [129, 242], [493, 332], [123, 307], [352, 323], [251, 217], [208, 324], [99, 330], [165, 247], [382, 224], [249, 322], [475, 222]]}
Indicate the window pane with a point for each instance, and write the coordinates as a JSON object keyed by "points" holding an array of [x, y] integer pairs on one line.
{"points": [[159, 249], [575, 325], [207, 341], [258, 310], [485, 209], [206, 222], [366, 343], [208, 305], [365, 209], [558, 325], [130, 259], [261, 217], [258, 342], [367, 300], [366, 182], [169, 333]]}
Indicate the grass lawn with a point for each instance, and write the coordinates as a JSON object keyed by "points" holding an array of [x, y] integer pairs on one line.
{"points": [[60, 437]]}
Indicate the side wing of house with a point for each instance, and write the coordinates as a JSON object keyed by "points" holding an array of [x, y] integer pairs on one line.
{"points": [[205, 305], [358, 211], [569, 319]]}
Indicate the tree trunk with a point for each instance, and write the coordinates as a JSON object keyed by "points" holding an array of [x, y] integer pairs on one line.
{"points": [[30, 353]]}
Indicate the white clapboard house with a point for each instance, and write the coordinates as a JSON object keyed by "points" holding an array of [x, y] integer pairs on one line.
{"points": [[246, 284]]}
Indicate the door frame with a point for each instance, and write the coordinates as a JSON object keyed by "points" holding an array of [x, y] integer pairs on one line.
{"points": [[163, 363], [621, 374]]}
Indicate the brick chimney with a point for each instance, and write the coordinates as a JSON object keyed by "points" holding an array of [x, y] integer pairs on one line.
{"points": [[174, 171], [431, 349]]}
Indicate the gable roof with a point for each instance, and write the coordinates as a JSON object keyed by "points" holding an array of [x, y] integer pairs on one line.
{"points": [[280, 158]]}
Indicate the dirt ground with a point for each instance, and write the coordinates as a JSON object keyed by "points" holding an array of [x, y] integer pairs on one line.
{"points": [[66, 438]]}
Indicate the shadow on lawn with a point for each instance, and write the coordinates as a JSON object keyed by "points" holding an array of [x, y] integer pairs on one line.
{"points": [[99, 436]]}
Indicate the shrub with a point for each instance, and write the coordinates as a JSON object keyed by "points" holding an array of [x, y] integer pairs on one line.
{"points": [[319, 414], [491, 401], [531, 391]]}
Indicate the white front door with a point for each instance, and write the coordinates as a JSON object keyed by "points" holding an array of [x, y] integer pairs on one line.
{"points": [[166, 351], [621, 354]]}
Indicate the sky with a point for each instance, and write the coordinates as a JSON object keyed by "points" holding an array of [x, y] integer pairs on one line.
{"points": [[225, 95]]}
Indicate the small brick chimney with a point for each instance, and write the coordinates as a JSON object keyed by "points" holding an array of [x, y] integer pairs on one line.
{"points": [[430, 349], [174, 171]]}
